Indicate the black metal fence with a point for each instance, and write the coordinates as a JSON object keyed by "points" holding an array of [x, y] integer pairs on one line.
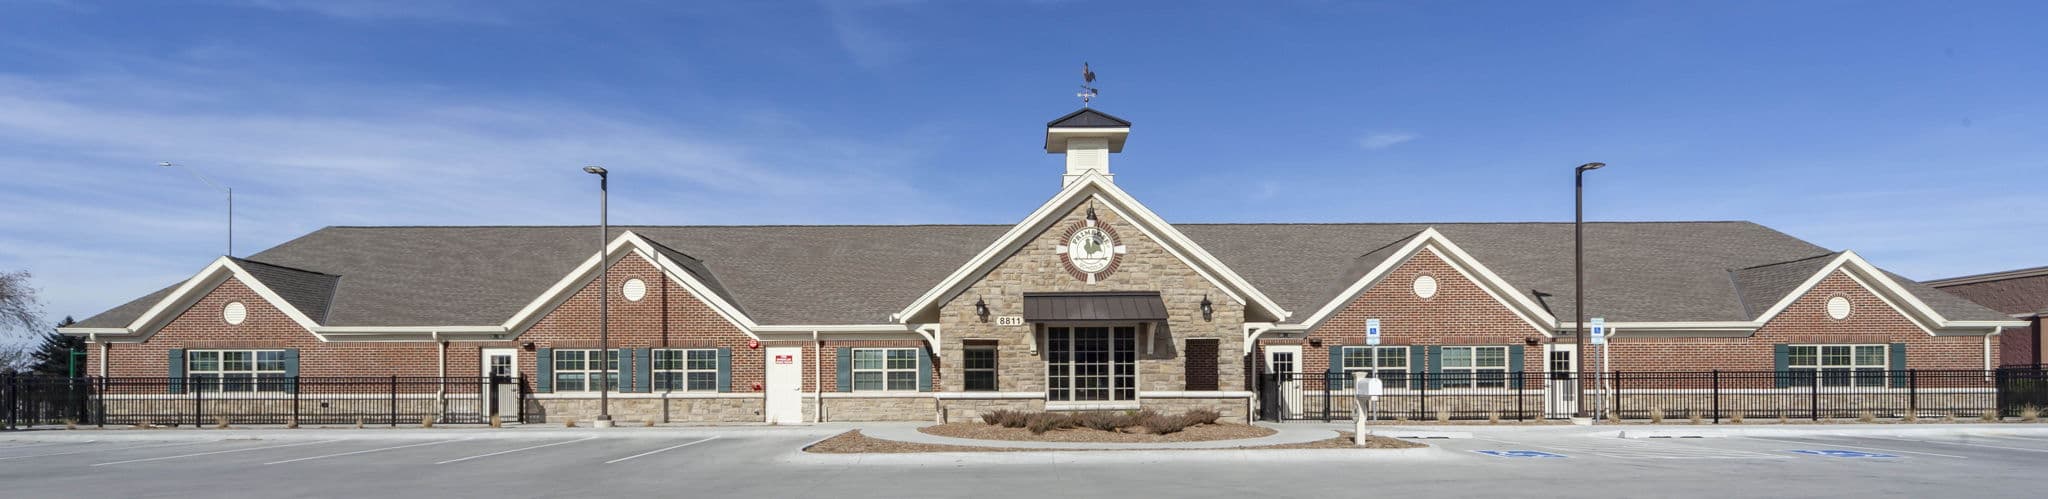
{"points": [[390, 400], [1713, 396]]}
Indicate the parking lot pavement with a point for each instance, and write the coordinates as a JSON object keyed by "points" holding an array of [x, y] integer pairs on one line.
{"points": [[757, 464]]}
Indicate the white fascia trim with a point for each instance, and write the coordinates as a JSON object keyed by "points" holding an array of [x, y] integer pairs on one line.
{"points": [[1173, 240], [1886, 289], [836, 328], [989, 395], [627, 244], [90, 331], [1435, 242], [204, 282]]}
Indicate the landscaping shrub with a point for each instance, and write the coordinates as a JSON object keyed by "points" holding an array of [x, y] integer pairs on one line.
{"points": [[1162, 425], [993, 418], [2029, 414], [1042, 422], [1197, 417], [1010, 419], [1103, 421]]}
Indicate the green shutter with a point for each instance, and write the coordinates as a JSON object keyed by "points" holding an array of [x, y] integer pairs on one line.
{"points": [[1336, 369], [1436, 367], [643, 370], [1781, 355], [176, 383], [1417, 362], [924, 372], [724, 370], [544, 370], [1898, 364], [845, 369], [623, 376], [291, 370], [1515, 364]]}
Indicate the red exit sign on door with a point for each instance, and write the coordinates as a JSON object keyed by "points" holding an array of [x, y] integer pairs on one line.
{"points": [[785, 359]]}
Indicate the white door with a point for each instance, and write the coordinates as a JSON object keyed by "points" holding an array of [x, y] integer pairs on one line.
{"points": [[502, 366], [785, 385], [1561, 361], [1285, 360]]}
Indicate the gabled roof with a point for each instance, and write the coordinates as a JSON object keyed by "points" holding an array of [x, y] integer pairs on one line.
{"points": [[1761, 286], [1088, 118], [310, 292], [1990, 276], [860, 274]]}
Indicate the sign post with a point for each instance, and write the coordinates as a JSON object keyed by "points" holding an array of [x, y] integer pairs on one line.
{"points": [[1599, 338], [1366, 392]]}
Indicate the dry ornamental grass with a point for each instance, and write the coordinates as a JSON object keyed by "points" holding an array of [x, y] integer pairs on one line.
{"points": [[1128, 426]]}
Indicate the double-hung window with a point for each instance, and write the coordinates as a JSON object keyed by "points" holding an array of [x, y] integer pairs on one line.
{"points": [[885, 369], [1475, 367], [980, 366], [1837, 365], [584, 370], [1389, 364], [236, 370], [693, 370]]}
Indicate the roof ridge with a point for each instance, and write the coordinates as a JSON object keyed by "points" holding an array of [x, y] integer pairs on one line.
{"points": [[1989, 276], [1822, 255], [286, 267], [547, 226]]}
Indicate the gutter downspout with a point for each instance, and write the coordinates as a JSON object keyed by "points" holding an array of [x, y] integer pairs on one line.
{"points": [[441, 358], [1987, 346], [95, 338], [817, 379]]}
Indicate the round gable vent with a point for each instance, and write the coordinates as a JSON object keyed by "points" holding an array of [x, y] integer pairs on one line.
{"points": [[234, 313], [1838, 308], [634, 289], [1425, 286]]}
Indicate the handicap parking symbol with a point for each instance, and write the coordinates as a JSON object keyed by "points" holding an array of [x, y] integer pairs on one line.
{"points": [[1519, 453], [1842, 453]]}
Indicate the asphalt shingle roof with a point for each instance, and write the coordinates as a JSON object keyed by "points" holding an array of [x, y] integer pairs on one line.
{"points": [[445, 276]]}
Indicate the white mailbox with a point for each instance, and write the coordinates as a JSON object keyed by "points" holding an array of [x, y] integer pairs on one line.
{"points": [[1368, 388]]}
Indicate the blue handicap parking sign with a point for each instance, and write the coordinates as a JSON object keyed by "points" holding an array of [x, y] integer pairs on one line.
{"points": [[1519, 453], [1841, 453]]}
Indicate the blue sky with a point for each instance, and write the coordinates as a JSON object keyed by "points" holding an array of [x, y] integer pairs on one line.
{"points": [[1907, 131]]}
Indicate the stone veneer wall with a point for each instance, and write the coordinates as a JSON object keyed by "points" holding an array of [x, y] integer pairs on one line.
{"points": [[1146, 266]]}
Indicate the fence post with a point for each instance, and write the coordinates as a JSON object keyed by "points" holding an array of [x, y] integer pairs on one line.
{"points": [[1423, 389], [1717, 396], [1813, 397], [7, 398], [99, 403], [296, 388], [198, 403], [1913, 392], [1327, 387], [394, 401]]}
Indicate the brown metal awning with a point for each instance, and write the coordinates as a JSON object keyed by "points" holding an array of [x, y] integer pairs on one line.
{"points": [[1120, 306]]}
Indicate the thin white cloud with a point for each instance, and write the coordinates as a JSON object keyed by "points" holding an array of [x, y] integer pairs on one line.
{"points": [[1377, 141], [871, 47], [384, 10]]}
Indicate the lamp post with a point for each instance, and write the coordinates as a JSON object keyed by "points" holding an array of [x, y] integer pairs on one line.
{"points": [[1579, 277], [231, 200], [604, 294]]}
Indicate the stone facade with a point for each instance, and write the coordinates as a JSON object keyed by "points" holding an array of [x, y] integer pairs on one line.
{"points": [[1036, 267]]}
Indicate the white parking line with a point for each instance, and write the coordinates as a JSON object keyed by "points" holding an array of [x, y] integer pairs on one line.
{"points": [[98, 450], [661, 450], [218, 452], [457, 460], [1830, 444], [363, 451], [1944, 442]]}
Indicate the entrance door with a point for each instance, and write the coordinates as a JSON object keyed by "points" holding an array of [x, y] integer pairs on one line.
{"points": [[1562, 362], [1285, 361], [501, 365], [785, 385]]}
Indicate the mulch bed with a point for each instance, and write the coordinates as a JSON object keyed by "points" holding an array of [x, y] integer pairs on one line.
{"points": [[1202, 433], [853, 442], [1344, 442]]}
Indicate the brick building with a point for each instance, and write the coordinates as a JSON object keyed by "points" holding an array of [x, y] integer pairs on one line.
{"points": [[2021, 294], [1091, 302]]}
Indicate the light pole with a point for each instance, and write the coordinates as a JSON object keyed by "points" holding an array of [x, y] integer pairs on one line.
{"points": [[1579, 276], [231, 200], [604, 294]]}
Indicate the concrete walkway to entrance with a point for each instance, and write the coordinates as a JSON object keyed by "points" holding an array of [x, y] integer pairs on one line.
{"points": [[1286, 434]]}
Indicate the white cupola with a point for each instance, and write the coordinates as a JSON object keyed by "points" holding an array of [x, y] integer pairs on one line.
{"points": [[1087, 137]]}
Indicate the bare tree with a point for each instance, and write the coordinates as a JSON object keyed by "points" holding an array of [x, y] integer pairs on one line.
{"points": [[18, 306]]}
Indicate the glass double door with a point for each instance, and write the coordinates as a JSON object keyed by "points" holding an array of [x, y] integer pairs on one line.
{"points": [[1094, 363]]}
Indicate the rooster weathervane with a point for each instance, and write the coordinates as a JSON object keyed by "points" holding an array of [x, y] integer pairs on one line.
{"points": [[1088, 91]]}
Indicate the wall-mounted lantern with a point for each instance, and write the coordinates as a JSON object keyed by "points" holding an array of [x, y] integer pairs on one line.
{"points": [[981, 309], [1208, 308]]}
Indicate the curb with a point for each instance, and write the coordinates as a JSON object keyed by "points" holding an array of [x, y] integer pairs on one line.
{"points": [[1070, 456], [385, 434]]}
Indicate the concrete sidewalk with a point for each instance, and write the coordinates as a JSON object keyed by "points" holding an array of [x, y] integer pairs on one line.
{"points": [[1285, 434], [509, 432], [1690, 430]]}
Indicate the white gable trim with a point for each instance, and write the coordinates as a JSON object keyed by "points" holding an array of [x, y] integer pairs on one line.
{"points": [[1436, 244], [194, 289], [1870, 278], [1093, 185], [627, 245]]}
